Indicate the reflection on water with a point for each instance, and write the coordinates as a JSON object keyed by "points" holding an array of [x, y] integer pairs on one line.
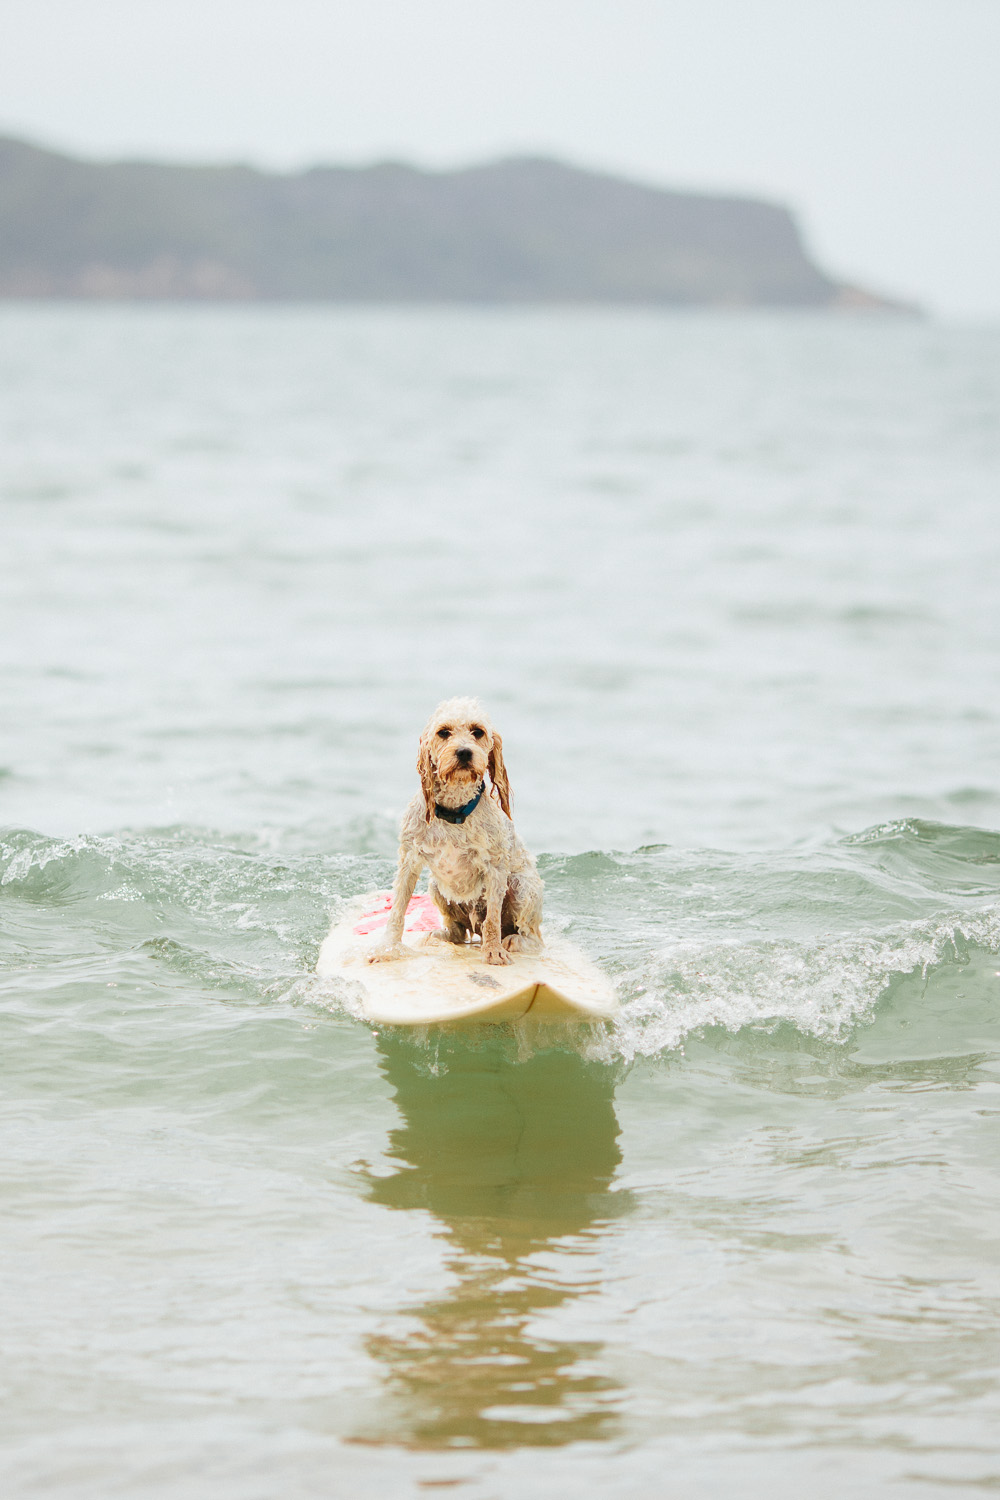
{"points": [[515, 1162]]}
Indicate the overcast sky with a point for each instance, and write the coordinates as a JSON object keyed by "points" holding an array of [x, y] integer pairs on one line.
{"points": [[877, 121]]}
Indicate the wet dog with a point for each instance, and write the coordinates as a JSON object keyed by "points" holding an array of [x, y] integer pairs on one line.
{"points": [[483, 880]]}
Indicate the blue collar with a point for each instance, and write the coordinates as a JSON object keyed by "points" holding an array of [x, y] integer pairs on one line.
{"points": [[459, 814]]}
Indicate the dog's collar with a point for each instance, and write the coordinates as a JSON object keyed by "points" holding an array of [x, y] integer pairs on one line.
{"points": [[459, 814]]}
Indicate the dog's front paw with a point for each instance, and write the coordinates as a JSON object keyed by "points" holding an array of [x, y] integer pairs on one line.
{"points": [[386, 953], [496, 956]]}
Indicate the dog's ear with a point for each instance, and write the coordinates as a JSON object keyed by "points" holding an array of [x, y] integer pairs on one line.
{"points": [[426, 772], [498, 773]]}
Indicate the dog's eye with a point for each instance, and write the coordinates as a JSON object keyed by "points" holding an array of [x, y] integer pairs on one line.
{"points": [[478, 733], [444, 734]]}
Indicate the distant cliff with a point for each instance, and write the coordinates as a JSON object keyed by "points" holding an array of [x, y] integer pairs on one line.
{"points": [[519, 231]]}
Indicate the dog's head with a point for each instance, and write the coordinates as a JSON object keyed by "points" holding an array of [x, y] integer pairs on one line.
{"points": [[457, 748]]}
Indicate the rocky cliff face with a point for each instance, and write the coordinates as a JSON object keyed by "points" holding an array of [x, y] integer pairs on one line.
{"points": [[518, 231]]}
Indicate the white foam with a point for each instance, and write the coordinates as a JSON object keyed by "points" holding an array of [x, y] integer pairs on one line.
{"points": [[823, 987]]}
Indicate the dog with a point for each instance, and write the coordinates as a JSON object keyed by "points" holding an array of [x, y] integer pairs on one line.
{"points": [[483, 880]]}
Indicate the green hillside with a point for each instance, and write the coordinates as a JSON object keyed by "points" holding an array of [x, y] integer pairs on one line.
{"points": [[511, 231]]}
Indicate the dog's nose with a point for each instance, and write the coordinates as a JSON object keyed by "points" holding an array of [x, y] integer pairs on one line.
{"points": [[464, 756]]}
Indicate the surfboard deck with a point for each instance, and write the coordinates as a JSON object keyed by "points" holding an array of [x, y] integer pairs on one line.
{"points": [[440, 983]]}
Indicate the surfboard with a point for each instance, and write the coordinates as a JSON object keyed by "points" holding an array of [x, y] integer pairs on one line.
{"points": [[439, 983]]}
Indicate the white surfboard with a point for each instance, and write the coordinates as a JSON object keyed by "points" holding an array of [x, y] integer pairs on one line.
{"points": [[438, 982]]}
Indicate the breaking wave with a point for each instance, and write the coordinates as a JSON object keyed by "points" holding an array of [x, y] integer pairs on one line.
{"points": [[808, 938]]}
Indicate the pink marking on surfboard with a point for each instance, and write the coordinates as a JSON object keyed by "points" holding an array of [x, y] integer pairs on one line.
{"points": [[421, 916]]}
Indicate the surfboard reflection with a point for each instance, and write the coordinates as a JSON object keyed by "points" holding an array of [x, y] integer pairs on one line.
{"points": [[515, 1161]]}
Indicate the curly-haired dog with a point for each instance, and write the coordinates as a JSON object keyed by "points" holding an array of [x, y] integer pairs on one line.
{"points": [[483, 880]]}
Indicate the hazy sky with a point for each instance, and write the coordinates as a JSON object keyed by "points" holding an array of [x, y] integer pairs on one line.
{"points": [[878, 121]]}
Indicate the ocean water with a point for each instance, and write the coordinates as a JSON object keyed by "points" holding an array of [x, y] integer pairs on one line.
{"points": [[729, 587]]}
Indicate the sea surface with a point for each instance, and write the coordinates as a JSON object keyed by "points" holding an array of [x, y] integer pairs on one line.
{"points": [[730, 587]]}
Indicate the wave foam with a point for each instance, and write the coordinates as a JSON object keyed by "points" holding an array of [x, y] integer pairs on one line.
{"points": [[823, 988]]}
